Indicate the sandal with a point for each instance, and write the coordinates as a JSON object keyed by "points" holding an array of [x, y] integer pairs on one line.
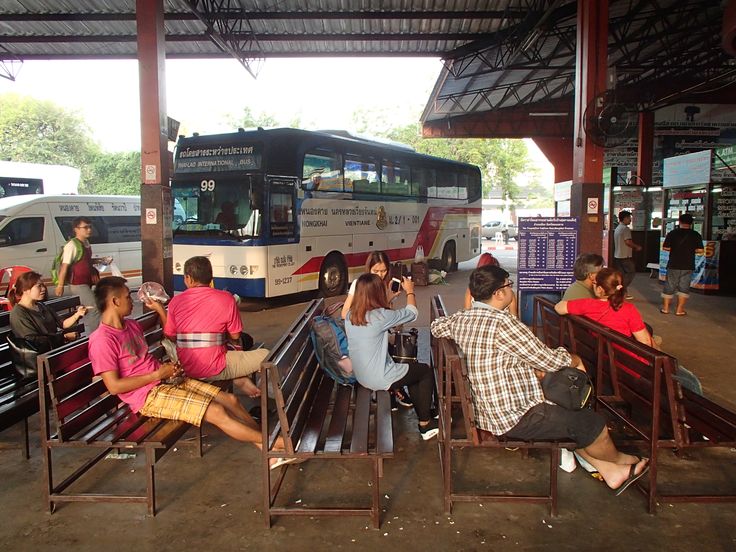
{"points": [[683, 313], [633, 476], [664, 311], [284, 461]]}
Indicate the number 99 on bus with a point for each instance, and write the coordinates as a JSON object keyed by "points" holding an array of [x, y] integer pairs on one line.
{"points": [[207, 186]]}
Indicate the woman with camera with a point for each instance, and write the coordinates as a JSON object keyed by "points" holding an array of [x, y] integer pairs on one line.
{"points": [[366, 325]]}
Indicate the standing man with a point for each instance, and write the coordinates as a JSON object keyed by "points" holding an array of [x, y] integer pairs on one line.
{"points": [[585, 268], [201, 321], [623, 249], [683, 243], [76, 269]]}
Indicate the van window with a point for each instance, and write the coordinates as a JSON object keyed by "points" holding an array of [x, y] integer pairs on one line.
{"points": [[106, 229], [22, 230]]}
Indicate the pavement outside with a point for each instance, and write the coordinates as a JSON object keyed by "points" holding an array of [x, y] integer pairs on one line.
{"points": [[215, 502]]}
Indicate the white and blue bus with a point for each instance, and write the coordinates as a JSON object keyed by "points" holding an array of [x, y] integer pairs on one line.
{"points": [[282, 211]]}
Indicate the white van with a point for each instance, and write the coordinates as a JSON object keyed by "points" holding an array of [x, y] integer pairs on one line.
{"points": [[34, 228]]}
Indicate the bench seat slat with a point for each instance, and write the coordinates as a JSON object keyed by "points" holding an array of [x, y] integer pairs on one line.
{"points": [[299, 405], [361, 420], [101, 431], [318, 413], [81, 398], [338, 423]]}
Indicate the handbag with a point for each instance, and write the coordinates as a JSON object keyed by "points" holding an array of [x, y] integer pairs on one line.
{"points": [[404, 346], [25, 355], [568, 387]]}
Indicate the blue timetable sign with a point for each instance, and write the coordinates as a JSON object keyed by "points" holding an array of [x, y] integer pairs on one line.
{"points": [[547, 250]]}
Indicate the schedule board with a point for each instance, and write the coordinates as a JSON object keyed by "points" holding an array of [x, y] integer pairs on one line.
{"points": [[547, 250]]}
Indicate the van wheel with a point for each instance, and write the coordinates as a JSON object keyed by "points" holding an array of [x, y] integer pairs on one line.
{"points": [[449, 260], [333, 277]]}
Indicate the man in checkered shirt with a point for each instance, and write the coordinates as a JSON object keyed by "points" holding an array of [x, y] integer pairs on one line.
{"points": [[505, 363]]}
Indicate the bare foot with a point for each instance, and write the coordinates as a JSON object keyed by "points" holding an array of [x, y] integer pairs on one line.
{"points": [[247, 386], [625, 473]]}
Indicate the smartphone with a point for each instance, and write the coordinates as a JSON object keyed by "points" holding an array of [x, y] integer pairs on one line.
{"points": [[395, 285]]}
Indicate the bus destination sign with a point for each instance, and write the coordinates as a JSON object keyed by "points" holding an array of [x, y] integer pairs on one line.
{"points": [[204, 159]]}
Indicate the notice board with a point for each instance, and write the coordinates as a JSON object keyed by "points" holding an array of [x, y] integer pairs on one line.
{"points": [[548, 247]]}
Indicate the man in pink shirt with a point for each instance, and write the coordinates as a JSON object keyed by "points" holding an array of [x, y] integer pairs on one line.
{"points": [[201, 321], [119, 354]]}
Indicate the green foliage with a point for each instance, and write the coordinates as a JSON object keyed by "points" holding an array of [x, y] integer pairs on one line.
{"points": [[36, 131], [116, 173], [250, 120]]}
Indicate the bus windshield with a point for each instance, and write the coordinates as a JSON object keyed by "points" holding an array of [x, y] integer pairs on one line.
{"points": [[223, 206]]}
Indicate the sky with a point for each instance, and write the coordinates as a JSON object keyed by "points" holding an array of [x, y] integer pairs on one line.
{"points": [[206, 95]]}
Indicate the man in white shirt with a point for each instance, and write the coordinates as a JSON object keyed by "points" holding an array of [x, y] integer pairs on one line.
{"points": [[624, 247]]}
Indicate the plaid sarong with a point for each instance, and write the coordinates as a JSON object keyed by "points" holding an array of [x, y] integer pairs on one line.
{"points": [[186, 402]]}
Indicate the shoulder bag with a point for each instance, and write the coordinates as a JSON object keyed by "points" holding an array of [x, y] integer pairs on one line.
{"points": [[568, 387], [25, 355]]}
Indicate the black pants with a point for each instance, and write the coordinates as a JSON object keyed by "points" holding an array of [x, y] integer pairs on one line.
{"points": [[420, 381]]}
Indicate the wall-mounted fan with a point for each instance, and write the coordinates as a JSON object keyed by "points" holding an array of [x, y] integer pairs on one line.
{"points": [[609, 123]]}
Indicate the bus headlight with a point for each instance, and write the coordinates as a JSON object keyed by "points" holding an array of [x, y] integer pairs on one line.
{"points": [[233, 269], [244, 270]]}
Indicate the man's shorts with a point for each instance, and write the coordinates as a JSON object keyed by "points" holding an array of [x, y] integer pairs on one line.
{"points": [[678, 281], [186, 402], [239, 364], [549, 422]]}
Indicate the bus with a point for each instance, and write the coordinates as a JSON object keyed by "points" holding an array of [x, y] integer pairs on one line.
{"points": [[282, 211]]}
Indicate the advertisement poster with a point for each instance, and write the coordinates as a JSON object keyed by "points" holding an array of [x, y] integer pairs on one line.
{"points": [[705, 275]]}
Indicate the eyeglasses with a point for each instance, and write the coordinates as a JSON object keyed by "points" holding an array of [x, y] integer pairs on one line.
{"points": [[85, 227], [510, 283]]}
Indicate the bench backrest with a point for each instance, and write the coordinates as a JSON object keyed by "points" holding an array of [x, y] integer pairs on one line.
{"points": [[452, 370], [292, 372]]}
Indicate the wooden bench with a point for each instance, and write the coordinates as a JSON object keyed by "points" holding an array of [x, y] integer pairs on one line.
{"points": [[635, 384], [319, 419], [85, 416], [18, 396], [458, 429]]}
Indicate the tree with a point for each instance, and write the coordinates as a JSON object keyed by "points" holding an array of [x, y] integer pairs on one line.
{"points": [[37, 131], [248, 119], [116, 173]]}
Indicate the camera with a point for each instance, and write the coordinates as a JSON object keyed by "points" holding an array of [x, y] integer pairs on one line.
{"points": [[395, 285]]}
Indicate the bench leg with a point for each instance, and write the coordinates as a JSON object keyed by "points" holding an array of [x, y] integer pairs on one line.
{"points": [[199, 440], [375, 507], [653, 467], [447, 473], [151, 483], [27, 445], [48, 474], [554, 462]]}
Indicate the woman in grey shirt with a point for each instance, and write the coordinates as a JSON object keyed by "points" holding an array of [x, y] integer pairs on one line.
{"points": [[33, 321], [367, 326]]}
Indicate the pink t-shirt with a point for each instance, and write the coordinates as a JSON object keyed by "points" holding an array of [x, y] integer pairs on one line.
{"points": [[126, 351], [626, 320], [199, 316]]}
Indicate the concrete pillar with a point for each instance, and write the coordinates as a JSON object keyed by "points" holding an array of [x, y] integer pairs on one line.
{"points": [[156, 204], [586, 200]]}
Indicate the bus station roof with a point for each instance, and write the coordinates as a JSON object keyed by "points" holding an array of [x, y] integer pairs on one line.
{"points": [[509, 65]]}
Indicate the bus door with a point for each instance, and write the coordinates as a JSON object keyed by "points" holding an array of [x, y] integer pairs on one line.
{"points": [[283, 236]]}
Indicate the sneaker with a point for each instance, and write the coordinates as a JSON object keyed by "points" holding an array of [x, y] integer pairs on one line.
{"points": [[394, 404], [430, 430]]}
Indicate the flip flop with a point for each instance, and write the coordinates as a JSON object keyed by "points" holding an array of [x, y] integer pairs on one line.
{"points": [[683, 313], [284, 461], [633, 477], [664, 311]]}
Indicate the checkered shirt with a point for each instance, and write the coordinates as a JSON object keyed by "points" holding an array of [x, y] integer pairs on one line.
{"points": [[501, 354]]}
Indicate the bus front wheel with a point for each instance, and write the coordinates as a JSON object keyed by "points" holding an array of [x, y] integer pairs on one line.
{"points": [[333, 277], [449, 259]]}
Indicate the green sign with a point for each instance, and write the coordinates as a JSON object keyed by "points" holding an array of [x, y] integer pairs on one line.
{"points": [[728, 154]]}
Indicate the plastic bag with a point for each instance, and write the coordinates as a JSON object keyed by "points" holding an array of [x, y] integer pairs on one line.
{"points": [[152, 291], [419, 255]]}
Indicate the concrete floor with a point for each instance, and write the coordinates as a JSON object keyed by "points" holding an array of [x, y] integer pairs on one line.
{"points": [[215, 502]]}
